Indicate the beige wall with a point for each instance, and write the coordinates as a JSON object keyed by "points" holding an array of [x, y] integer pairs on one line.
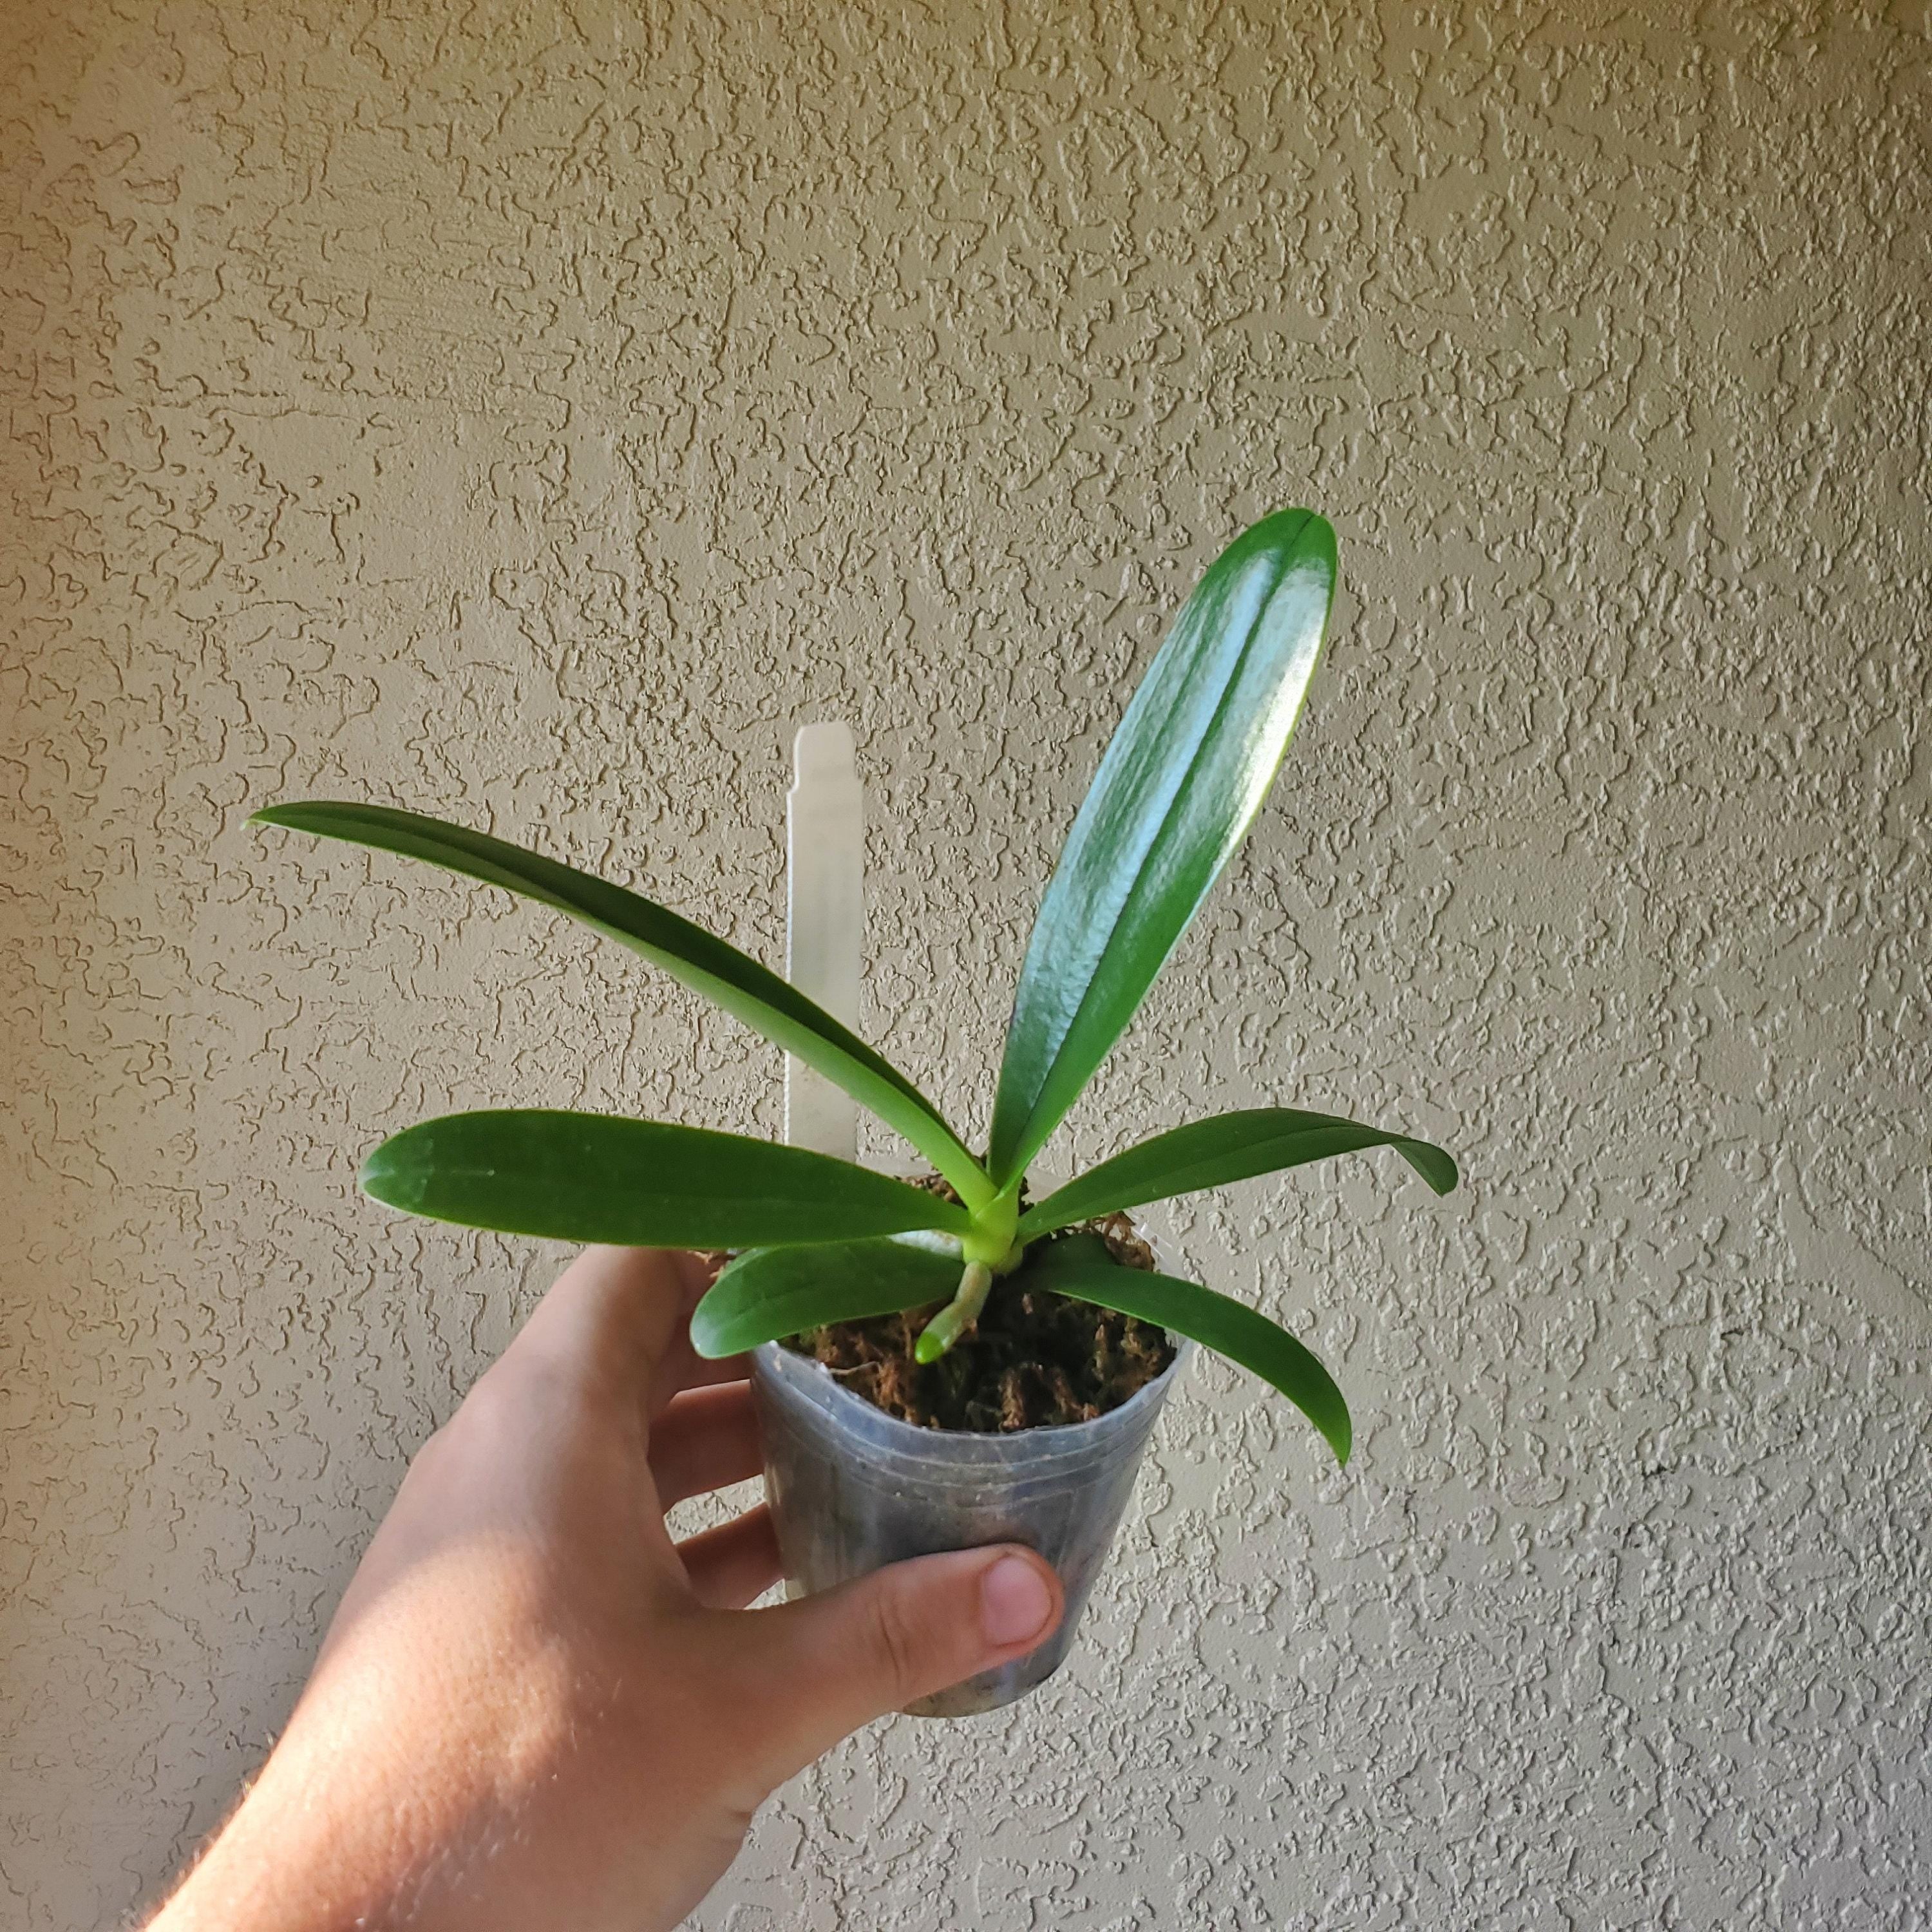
{"points": [[528, 412]]}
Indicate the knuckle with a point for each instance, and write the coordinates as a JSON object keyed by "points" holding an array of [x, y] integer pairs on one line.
{"points": [[487, 1410], [509, 1395], [497, 1414], [898, 1638]]}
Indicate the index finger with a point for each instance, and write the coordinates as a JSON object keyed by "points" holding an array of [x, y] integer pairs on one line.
{"points": [[681, 1366], [619, 1317]]}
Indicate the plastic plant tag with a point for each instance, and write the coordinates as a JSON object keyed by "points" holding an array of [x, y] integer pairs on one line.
{"points": [[825, 825]]}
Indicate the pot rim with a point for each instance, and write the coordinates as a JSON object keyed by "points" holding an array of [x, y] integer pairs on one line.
{"points": [[776, 1360], [917, 1438]]}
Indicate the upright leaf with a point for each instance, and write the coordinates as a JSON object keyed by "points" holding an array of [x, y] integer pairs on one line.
{"points": [[1079, 1265], [699, 959], [1185, 774], [637, 1183], [1212, 1153], [776, 1292]]}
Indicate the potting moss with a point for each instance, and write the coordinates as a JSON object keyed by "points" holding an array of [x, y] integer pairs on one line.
{"points": [[1033, 1360]]}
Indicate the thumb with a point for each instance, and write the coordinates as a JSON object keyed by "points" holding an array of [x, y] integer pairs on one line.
{"points": [[847, 1656]]}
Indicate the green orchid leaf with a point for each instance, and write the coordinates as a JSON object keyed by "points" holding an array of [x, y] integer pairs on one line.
{"points": [[772, 1292], [699, 959], [1212, 1153], [1186, 773], [638, 1184], [1079, 1265]]}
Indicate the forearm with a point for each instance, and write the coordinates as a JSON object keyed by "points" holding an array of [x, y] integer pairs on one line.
{"points": [[533, 1708], [396, 1789]]}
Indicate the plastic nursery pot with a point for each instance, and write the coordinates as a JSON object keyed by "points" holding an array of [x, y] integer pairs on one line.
{"points": [[851, 1489]]}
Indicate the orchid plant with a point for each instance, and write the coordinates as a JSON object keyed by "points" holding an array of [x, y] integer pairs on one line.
{"points": [[820, 1240]]}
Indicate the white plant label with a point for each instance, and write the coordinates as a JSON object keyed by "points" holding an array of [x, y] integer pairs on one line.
{"points": [[825, 830]]}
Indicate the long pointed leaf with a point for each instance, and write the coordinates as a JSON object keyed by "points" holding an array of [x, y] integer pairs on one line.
{"points": [[776, 1292], [1078, 1266], [637, 1183], [1212, 1153], [699, 959], [1185, 774]]}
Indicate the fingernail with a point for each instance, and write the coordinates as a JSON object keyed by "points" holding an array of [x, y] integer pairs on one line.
{"points": [[1014, 1601]]}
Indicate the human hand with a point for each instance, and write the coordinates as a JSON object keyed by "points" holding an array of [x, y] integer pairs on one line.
{"points": [[531, 1708]]}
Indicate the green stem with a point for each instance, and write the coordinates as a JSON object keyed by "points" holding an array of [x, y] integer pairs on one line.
{"points": [[957, 1316], [969, 1180], [987, 1248]]}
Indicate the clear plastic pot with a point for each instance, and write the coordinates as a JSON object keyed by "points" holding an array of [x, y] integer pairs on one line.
{"points": [[852, 1488]]}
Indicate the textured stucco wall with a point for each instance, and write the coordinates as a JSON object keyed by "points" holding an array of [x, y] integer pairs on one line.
{"points": [[528, 412]]}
